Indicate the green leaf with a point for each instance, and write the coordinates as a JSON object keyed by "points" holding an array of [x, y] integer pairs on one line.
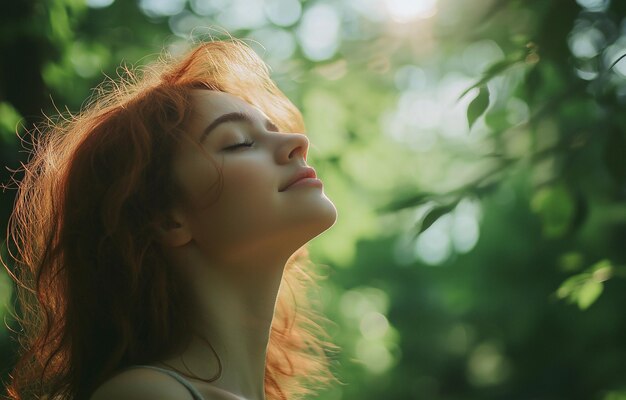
{"points": [[434, 214], [497, 119], [413, 200], [588, 293], [478, 106], [570, 287], [502, 65], [602, 270], [493, 70], [9, 121], [585, 288]]}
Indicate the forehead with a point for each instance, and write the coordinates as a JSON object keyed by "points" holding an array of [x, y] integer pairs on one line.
{"points": [[210, 104]]}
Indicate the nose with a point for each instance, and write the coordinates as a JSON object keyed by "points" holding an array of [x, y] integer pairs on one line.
{"points": [[293, 144]]}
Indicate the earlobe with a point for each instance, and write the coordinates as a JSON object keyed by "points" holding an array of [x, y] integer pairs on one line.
{"points": [[172, 231]]}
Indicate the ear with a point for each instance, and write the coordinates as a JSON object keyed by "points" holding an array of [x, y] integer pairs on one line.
{"points": [[172, 229]]}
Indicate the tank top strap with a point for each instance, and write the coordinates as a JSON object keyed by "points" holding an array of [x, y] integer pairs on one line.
{"points": [[194, 392]]}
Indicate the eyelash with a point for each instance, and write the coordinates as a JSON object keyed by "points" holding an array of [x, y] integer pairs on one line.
{"points": [[245, 143]]}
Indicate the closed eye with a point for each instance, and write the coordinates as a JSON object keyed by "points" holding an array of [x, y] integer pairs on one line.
{"points": [[247, 143]]}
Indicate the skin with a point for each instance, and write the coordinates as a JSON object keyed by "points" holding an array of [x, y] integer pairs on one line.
{"points": [[234, 250]]}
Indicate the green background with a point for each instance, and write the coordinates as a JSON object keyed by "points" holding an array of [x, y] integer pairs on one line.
{"points": [[475, 151]]}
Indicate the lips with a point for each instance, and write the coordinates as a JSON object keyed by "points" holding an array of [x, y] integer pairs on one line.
{"points": [[303, 173]]}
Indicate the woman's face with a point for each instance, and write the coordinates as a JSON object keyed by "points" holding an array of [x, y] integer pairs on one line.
{"points": [[251, 219]]}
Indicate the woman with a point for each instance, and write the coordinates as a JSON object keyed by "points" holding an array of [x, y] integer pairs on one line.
{"points": [[159, 241]]}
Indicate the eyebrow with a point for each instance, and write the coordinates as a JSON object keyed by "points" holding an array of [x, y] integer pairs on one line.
{"points": [[235, 117]]}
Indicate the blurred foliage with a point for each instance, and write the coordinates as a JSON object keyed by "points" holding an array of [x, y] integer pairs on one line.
{"points": [[476, 152]]}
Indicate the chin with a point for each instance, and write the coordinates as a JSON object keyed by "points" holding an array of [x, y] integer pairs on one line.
{"points": [[333, 217], [326, 218]]}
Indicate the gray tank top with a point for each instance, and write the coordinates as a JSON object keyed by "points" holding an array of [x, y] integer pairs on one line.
{"points": [[194, 392]]}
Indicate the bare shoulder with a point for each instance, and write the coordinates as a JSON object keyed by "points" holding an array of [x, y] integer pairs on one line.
{"points": [[141, 384], [149, 384]]}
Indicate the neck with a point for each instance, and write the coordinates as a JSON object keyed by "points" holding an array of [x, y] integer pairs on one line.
{"points": [[235, 312]]}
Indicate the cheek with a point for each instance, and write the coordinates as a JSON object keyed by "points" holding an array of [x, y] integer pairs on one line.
{"points": [[248, 182], [246, 207], [198, 178]]}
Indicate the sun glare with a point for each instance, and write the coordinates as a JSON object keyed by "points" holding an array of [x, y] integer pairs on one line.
{"points": [[408, 10]]}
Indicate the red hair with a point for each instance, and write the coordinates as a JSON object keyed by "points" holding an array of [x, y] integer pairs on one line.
{"points": [[95, 291]]}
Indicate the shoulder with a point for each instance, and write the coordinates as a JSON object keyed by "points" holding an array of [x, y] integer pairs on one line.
{"points": [[148, 384], [141, 384]]}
